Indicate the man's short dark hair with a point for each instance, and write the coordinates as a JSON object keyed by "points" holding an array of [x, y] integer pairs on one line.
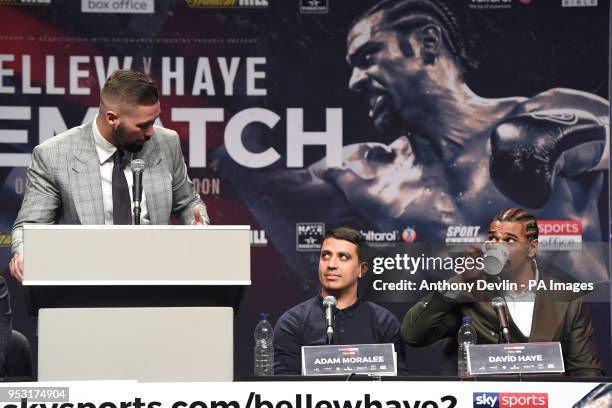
{"points": [[406, 15], [519, 215], [130, 87], [350, 235]]}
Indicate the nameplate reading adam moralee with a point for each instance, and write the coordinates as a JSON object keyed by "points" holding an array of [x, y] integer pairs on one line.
{"points": [[378, 359]]}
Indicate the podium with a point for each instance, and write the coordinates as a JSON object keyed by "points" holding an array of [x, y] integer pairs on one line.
{"points": [[151, 303]]}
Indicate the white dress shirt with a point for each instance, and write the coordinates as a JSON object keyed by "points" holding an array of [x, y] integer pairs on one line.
{"points": [[520, 306], [105, 151]]}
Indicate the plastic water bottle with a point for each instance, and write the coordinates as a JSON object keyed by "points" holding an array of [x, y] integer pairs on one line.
{"points": [[264, 352], [465, 337]]}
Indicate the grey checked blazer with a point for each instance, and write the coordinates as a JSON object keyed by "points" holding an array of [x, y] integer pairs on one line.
{"points": [[64, 184]]}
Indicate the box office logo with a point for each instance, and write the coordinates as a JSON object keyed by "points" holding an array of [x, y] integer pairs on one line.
{"points": [[510, 400], [229, 4], [309, 236], [118, 6], [314, 6]]}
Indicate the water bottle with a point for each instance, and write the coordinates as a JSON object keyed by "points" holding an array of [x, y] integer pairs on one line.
{"points": [[264, 351], [465, 337]]}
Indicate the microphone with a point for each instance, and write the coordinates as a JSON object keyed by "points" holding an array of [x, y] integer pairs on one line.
{"points": [[329, 303], [137, 166], [499, 306]]}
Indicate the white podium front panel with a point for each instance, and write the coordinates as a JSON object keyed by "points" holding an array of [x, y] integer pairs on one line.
{"points": [[144, 344], [136, 255]]}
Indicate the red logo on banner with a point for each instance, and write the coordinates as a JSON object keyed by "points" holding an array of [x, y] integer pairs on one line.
{"points": [[560, 227], [523, 400]]}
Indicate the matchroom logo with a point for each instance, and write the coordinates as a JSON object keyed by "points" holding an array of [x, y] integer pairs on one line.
{"points": [[560, 235]]}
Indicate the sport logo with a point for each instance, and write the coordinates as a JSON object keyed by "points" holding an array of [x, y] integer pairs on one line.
{"points": [[463, 233], [314, 6], [309, 236], [560, 235], [510, 400]]}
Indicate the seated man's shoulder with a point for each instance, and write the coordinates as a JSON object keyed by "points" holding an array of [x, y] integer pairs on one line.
{"points": [[297, 314], [381, 312]]}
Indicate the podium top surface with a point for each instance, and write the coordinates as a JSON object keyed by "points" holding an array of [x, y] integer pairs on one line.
{"points": [[114, 255]]}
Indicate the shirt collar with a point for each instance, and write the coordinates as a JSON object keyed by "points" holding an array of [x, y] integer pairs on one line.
{"points": [[104, 148], [527, 293], [349, 311]]}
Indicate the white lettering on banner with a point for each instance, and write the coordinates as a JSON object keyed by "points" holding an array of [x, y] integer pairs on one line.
{"points": [[252, 75], [26, 80], [76, 73], [172, 74], [113, 65], [197, 119], [177, 75], [297, 138]]}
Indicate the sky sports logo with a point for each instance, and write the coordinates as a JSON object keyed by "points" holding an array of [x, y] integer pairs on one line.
{"points": [[510, 400], [560, 235]]}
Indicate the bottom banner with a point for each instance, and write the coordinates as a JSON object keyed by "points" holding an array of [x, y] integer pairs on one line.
{"points": [[323, 394]]}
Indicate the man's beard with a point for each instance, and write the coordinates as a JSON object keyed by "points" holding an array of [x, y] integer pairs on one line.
{"points": [[120, 135]]}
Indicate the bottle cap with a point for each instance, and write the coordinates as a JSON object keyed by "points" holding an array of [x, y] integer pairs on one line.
{"points": [[467, 319], [263, 316]]}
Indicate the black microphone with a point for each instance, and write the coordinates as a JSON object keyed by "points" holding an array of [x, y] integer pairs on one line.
{"points": [[329, 303], [499, 306], [137, 166]]}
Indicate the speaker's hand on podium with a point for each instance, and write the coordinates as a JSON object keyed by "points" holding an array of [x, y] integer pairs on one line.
{"points": [[197, 217], [16, 266]]}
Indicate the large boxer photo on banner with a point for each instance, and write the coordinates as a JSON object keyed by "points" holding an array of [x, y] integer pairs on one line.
{"points": [[443, 155]]}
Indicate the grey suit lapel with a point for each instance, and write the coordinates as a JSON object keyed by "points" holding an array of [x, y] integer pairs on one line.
{"points": [[156, 184], [85, 181]]}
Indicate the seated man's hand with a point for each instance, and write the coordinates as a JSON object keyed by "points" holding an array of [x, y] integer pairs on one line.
{"points": [[16, 266]]}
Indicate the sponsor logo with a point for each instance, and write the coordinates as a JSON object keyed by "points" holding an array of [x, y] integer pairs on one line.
{"points": [[309, 236], [258, 238], [463, 233], [118, 6], [510, 400], [560, 235], [314, 6], [375, 236], [490, 4], [27, 2], [579, 3], [409, 235], [5, 240], [227, 3]]}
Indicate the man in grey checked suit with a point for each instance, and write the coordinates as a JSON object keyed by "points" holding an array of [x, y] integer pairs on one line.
{"points": [[70, 177]]}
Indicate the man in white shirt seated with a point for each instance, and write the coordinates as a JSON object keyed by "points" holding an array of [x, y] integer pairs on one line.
{"points": [[537, 315]]}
